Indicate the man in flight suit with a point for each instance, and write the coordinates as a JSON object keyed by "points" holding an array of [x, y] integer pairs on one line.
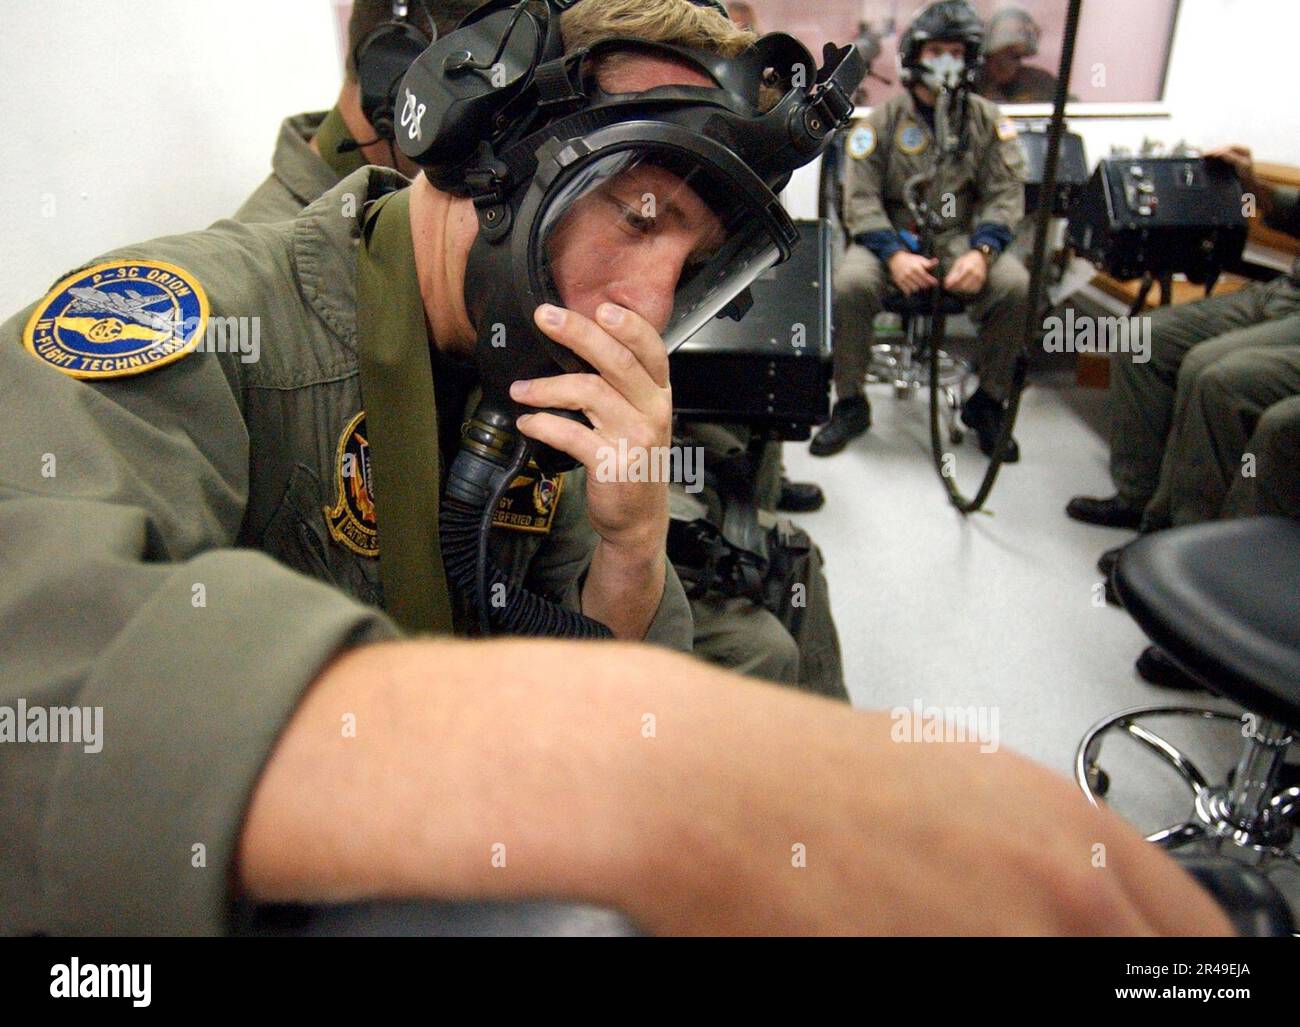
{"points": [[1013, 36], [317, 149], [267, 733], [1215, 389], [983, 201], [735, 633], [1253, 329]]}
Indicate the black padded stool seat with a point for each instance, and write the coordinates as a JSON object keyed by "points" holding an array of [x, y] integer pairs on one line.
{"points": [[921, 304], [1223, 600]]}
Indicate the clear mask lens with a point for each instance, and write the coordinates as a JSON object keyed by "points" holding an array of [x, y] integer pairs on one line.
{"points": [[656, 232]]}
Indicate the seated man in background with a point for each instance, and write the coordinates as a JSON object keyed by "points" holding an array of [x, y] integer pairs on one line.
{"points": [[1182, 422], [984, 201], [315, 150], [1148, 400], [1005, 78]]}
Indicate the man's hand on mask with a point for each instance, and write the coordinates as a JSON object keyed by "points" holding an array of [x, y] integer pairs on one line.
{"points": [[628, 400]]}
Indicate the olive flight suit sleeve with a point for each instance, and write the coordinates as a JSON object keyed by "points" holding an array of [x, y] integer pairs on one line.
{"points": [[560, 565], [864, 178], [121, 591], [1000, 178]]}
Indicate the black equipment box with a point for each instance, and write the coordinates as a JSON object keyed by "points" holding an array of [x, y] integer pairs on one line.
{"points": [[1071, 168], [1160, 216], [772, 369]]}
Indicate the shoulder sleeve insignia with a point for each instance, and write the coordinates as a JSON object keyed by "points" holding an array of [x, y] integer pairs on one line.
{"points": [[862, 143], [118, 319], [351, 519], [910, 139], [1007, 130], [529, 503]]}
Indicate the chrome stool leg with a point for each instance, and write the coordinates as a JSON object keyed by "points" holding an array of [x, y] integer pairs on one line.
{"points": [[1248, 818], [905, 383]]}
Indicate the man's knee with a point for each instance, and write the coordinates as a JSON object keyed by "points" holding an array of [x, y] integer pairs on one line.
{"points": [[1277, 435], [743, 636], [860, 278], [1009, 280]]}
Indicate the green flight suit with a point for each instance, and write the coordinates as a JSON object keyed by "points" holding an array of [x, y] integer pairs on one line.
{"points": [[1149, 400], [1274, 488], [298, 175], [170, 553], [985, 186], [1225, 437], [734, 633]]}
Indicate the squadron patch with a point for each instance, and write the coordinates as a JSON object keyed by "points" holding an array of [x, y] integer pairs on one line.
{"points": [[910, 139], [352, 520], [1007, 130], [529, 503], [118, 319], [862, 143]]}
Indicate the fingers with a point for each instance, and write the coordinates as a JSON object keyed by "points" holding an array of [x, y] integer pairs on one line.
{"points": [[570, 437], [914, 279], [628, 354], [606, 408], [1168, 897]]}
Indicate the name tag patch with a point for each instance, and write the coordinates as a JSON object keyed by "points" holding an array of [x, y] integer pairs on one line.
{"points": [[529, 503]]}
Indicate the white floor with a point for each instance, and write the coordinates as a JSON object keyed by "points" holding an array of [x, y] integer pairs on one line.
{"points": [[998, 610]]}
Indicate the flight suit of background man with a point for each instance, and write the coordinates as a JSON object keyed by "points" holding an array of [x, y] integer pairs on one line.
{"points": [[269, 719], [983, 191], [315, 150], [1149, 401], [1013, 37], [1219, 385]]}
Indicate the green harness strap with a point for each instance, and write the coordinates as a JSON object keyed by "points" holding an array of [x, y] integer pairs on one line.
{"points": [[401, 419]]}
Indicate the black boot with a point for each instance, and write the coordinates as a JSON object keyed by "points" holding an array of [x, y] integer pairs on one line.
{"points": [[850, 418], [800, 497], [984, 415], [1111, 512]]}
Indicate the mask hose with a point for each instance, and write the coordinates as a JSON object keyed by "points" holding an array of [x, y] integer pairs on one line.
{"points": [[478, 479]]}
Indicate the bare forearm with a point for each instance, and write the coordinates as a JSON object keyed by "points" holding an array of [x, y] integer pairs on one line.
{"points": [[534, 747], [691, 799], [623, 588]]}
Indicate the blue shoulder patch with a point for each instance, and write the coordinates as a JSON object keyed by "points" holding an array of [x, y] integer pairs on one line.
{"points": [[118, 319]]}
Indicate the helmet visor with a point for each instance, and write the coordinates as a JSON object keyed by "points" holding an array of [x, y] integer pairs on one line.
{"points": [[655, 230]]}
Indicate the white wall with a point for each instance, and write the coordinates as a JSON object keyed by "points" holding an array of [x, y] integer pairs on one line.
{"points": [[122, 120], [1232, 78]]}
